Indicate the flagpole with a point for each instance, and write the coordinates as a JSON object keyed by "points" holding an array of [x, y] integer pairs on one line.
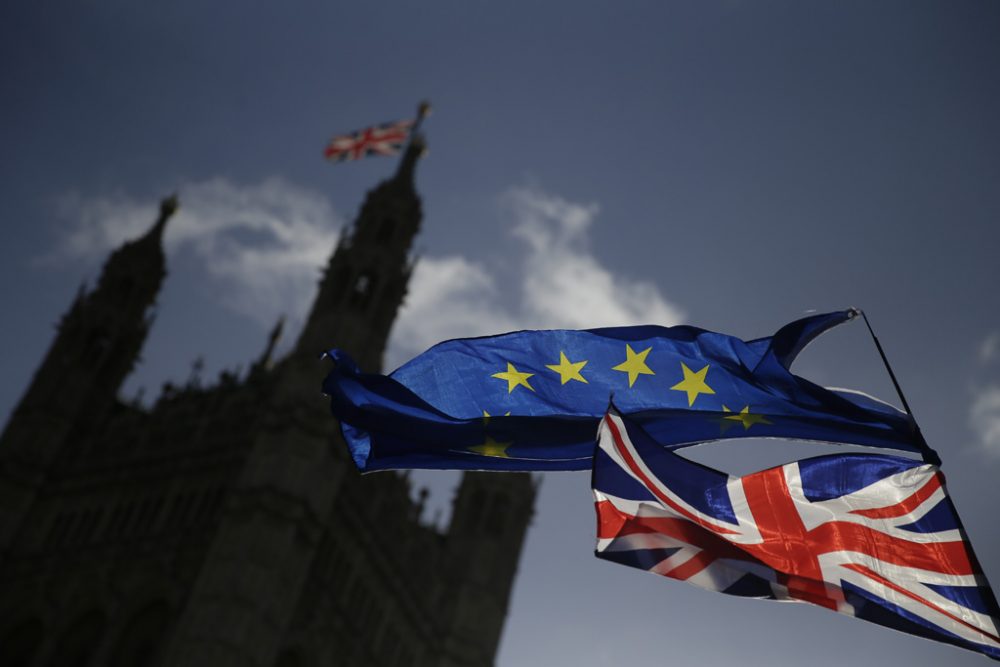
{"points": [[423, 109], [930, 456], [415, 146]]}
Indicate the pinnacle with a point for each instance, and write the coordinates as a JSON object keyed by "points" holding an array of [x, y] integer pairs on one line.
{"points": [[408, 164], [168, 206]]}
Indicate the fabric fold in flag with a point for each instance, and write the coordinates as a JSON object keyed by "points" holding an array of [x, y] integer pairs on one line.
{"points": [[388, 427], [867, 535], [686, 385]]}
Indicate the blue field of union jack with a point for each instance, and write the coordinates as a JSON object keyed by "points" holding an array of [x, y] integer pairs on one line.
{"points": [[868, 535]]}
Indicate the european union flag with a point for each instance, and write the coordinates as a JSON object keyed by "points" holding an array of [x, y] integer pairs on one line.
{"points": [[532, 400]]}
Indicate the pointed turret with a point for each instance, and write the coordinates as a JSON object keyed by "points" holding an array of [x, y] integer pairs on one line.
{"points": [[266, 359], [408, 164], [133, 274], [77, 383], [491, 516], [100, 337], [415, 149]]}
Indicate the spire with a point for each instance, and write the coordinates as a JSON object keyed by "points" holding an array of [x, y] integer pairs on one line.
{"points": [[408, 164], [366, 278], [267, 356], [141, 262], [168, 206], [414, 149], [97, 345]]}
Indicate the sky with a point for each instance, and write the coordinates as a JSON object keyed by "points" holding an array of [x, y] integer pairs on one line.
{"points": [[731, 165]]}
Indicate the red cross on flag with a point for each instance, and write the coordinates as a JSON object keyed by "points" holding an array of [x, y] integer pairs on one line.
{"points": [[384, 139], [868, 535]]}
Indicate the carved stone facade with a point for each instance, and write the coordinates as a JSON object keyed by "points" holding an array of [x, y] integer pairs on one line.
{"points": [[225, 524]]}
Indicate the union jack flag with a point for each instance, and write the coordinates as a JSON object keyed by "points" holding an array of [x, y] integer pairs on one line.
{"points": [[384, 139], [866, 535]]}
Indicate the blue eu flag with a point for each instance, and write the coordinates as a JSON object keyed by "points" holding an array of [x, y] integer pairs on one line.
{"points": [[532, 400]]}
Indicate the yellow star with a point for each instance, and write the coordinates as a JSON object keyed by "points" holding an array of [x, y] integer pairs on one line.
{"points": [[634, 364], [724, 423], [486, 416], [514, 378], [693, 383], [744, 417], [568, 370], [492, 448]]}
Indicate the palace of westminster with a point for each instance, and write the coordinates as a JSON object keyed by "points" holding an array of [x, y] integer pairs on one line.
{"points": [[225, 525]]}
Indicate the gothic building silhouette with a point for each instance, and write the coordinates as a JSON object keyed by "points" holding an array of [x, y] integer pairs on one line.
{"points": [[225, 524]]}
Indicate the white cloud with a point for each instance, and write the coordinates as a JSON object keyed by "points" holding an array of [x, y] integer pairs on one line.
{"points": [[262, 243], [262, 246], [985, 417], [564, 284], [450, 297], [558, 281], [984, 411], [989, 351]]}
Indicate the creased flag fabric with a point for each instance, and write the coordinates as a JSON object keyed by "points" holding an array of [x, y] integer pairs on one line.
{"points": [[867, 535], [384, 139], [497, 402]]}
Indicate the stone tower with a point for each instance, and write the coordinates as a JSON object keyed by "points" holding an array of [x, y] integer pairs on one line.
{"points": [[365, 282], [486, 535], [225, 525], [77, 383]]}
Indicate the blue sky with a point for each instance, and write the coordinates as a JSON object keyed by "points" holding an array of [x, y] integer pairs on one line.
{"points": [[726, 164]]}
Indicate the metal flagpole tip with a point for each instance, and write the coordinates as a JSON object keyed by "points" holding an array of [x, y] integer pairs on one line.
{"points": [[853, 312], [423, 109]]}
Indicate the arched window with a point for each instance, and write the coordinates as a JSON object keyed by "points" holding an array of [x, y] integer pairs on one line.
{"points": [[142, 637], [21, 642], [77, 646], [363, 289]]}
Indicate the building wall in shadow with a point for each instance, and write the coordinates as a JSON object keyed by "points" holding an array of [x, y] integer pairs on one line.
{"points": [[225, 524]]}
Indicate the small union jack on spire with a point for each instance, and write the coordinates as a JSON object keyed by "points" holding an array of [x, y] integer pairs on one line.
{"points": [[384, 139]]}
